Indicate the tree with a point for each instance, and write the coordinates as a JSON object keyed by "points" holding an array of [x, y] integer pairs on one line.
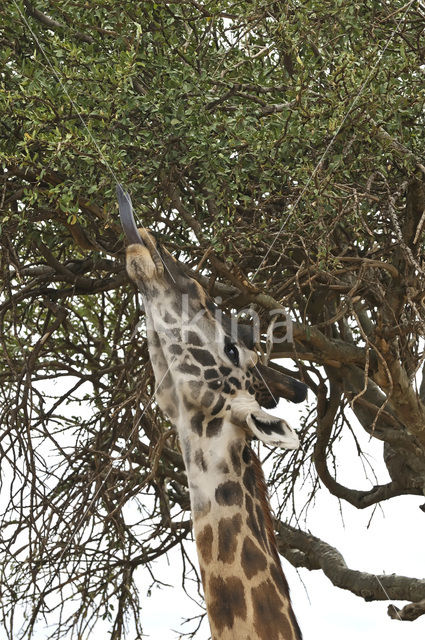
{"points": [[278, 147]]}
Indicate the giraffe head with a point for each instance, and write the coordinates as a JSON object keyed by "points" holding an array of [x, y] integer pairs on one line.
{"points": [[204, 363]]}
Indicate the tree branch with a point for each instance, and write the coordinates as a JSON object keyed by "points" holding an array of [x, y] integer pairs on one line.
{"points": [[304, 550], [54, 24]]}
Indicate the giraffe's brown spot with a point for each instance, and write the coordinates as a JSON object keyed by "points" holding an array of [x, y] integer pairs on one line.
{"points": [[200, 460], [211, 373], [228, 529], [218, 405], [279, 580], [225, 371], [229, 493], [249, 387], [249, 480], [235, 382], [252, 558], [214, 427], [261, 521], [195, 387], [196, 423], [191, 369], [235, 457], [204, 542], [246, 454], [203, 357], [227, 602], [175, 349], [270, 622], [194, 338], [207, 398], [215, 384], [252, 523]]}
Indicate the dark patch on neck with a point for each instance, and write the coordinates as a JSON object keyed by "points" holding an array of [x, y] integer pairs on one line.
{"points": [[246, 454], [225, 370], [194, 338], [279, 580], [204, 541], [235, 457], [175, 349], [196, 423], [226, 602], [207, 398], [253, 559], [229, 493], [195, 387], [228, 530], [249, 480], [270, 622], [218, 405], [214, 427], [252, 523], [261, 521]]}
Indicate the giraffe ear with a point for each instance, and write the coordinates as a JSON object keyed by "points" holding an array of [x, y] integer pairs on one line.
{"points": [[271, 430]]}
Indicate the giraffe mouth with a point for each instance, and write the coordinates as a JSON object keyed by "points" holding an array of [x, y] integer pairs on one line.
{"points": [[257, 423]]}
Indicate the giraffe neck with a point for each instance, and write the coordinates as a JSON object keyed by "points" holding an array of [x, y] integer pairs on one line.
{"points": [[245, 590]]}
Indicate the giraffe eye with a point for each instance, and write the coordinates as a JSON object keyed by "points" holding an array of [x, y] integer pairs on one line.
{"points": [[232, 353]]}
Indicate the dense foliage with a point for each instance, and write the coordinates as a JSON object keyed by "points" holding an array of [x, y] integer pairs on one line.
{"points": [[278, 143]]}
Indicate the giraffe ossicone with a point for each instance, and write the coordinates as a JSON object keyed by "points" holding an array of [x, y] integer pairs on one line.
{"points": [[212, 387]]}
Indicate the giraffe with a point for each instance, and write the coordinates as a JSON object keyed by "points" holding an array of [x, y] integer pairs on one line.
{"points": [[212, 388]]}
